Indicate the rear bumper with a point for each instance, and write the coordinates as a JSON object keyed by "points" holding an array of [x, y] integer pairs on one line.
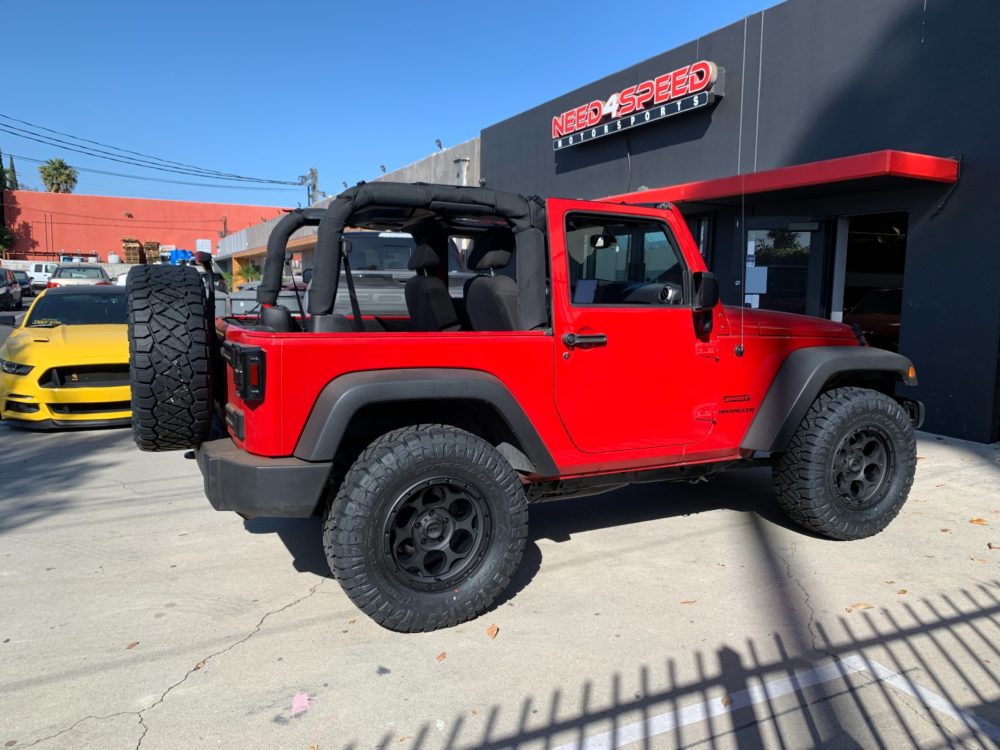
{"points": [[258, 486]]}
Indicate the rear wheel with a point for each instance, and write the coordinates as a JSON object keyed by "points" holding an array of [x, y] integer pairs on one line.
{"points": [[849, 466], [428, 526], [169, 330]]}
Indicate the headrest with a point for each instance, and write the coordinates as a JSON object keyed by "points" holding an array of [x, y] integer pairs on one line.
{"points": [[486, 254], [423, 257]]}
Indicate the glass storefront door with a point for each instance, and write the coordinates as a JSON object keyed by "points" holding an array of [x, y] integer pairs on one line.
{"points": [[784, 261]]}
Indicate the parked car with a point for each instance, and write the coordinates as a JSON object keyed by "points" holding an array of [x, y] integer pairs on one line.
{"points": [[25, 281], [40, 274], [66, 365], [10, 290], [78, 274]]}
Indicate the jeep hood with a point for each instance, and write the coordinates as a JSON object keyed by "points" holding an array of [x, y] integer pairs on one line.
{"points": [[770, 323]]}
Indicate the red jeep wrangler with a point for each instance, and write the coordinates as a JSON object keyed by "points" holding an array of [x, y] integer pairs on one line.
{"points": [[589, 352]]}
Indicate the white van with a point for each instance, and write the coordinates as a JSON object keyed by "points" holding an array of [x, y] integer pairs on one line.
{"points": [[40, 274]]}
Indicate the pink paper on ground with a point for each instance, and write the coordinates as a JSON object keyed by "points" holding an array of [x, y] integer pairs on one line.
{"points": [[300, 703]]}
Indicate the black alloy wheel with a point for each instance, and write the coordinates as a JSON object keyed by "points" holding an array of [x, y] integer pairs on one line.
{"points": [[436, 533], [427, 528], [850, 464], [863, 466]]}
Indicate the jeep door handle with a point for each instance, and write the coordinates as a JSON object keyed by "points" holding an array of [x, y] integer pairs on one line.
{"points": [[584, 339]]}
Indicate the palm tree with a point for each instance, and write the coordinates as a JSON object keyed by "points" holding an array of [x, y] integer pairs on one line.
{"points": [[58, 176]]}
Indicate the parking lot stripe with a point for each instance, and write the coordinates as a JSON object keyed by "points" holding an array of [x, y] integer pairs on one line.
{"points": [[770, 690], [925, 696]]}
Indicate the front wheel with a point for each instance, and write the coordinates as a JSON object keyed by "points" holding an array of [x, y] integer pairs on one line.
{"points": [[849, 466], [427, 529]]}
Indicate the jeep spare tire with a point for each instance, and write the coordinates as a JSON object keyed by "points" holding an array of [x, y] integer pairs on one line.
{"points": [[169, 329]]}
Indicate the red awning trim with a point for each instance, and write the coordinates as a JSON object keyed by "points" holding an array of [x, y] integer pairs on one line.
{"points": [[857, 167]]}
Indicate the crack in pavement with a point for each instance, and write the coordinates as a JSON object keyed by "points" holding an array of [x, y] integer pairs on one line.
{"points": [[926, 715], [197, 667], [807, 601], [201, 664], [75, 724]]}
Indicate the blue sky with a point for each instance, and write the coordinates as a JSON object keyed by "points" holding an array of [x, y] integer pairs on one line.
{"points": [[270, 89]]}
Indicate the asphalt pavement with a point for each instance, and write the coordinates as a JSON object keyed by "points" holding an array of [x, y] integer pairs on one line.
{"points": [[134, 615]]}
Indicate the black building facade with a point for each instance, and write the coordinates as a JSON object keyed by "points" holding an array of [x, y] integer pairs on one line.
{"points": [[843, 164]]}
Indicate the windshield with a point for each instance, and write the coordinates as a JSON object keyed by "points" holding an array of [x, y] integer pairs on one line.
{"points": [[78, 273], [78, 310]]}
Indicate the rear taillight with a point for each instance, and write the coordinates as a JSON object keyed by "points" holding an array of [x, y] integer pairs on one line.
{"points": [[52, 285], [249, 372], [103, 283]]}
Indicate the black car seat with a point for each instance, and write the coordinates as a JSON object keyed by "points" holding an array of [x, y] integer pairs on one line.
{"points": [[490, 299], [427, 300]]}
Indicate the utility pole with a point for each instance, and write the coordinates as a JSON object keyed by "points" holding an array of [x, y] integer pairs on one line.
{"points": [[311, 181]]}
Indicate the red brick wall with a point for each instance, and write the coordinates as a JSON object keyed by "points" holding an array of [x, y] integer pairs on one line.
{"points": [[47, 224]]}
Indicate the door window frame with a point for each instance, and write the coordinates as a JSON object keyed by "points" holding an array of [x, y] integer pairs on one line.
{"points": [[608, 218]]}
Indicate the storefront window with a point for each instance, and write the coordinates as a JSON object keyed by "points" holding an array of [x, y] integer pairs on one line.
{"points": [[777, 269]]}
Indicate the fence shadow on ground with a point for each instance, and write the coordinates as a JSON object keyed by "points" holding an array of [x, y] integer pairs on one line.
{"points": [[928, 676]]}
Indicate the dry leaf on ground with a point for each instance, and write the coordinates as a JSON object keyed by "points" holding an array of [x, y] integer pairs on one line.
{"points": [[861, 605], [979, 521], [945, 531], [689, 601], [492, 631], [993, 545], [133, 644], [442, 656], [199, 665], [920, 458], [726, 700], [901, 592]]}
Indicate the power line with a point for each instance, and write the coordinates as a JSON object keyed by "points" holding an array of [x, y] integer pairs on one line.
{"points": [[157, 179], [100, 154], [116, 148], [57, 143]]}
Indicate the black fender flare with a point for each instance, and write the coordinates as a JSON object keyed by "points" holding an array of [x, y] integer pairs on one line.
{"points": [[343, 396], [801, 378]]}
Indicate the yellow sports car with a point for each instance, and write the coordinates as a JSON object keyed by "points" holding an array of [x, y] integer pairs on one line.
{"points": [[66, 365]]}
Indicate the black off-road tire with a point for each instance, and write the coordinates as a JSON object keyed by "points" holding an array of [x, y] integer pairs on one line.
{"points": [[383, 502], [849, 466], [169, 329]]}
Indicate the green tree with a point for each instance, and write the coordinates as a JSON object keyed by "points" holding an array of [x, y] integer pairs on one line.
{"points": [[3, 174], [250, 272], [11, 175], [58, 176], [6, 241]]}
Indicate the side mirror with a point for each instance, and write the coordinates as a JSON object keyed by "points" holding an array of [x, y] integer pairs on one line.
{"points": [[7, 320], [706, 291]]}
